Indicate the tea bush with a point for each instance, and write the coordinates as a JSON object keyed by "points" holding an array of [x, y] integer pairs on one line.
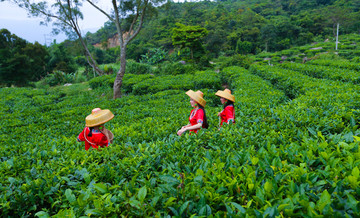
{"points": [[134, 67], [176, 68], [332, 73], [291, 155], [313, 98], [346, 64]]}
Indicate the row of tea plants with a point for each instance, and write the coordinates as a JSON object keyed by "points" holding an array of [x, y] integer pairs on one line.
{"points": [[293, 151]]}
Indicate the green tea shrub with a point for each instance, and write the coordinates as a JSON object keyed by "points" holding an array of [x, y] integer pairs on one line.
{"points": [[356, 60], [314, 97], [130, 80], [102, 81], [336, 61], [291, 158], [325, 72], [134, 67], [236, 60], [200, 80], [252, 90], [176, 68], [161, 83], [207, 79]]}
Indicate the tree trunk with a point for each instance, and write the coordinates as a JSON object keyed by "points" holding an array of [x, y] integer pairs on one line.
{"points": [[120, 74], [337, 36], [266, 46], [89, 57]]}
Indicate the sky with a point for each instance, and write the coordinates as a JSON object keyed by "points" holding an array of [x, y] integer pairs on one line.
{"points": [[16, 20]]}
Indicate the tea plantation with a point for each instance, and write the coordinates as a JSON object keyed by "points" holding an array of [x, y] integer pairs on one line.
{"points": [[293, 152]]}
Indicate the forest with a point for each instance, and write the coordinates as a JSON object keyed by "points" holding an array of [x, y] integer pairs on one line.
{"points": [[231, 29]]}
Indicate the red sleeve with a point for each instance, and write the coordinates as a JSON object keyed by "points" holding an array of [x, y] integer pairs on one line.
{"points": [[200, 116], [223, 114], [81, 135]]}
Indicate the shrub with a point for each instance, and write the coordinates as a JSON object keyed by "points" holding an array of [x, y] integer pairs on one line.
{"points": [[176, 68], [200, 80], [134, 67], [108, 69], [102, 81], [236, 60], [153, 56]]}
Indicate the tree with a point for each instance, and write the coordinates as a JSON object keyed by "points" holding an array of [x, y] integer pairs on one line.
{"points": [[65, 14], [188, 37], [244, 47], [20, 61], [268, 36], [337, 16], [128, 17], [60, 59]]}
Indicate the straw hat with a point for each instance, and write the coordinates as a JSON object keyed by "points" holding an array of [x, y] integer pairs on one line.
{"points": [[226, 94], [98, 117], [197, 96]]}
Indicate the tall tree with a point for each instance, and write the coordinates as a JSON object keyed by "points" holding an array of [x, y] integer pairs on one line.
{"points": [[188, 37], [128, 17], [65, 15]]}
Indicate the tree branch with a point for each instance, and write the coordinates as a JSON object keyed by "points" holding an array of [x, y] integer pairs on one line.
{"points": [[102, 11], [118, 23], [134, 20], [140, 24]]}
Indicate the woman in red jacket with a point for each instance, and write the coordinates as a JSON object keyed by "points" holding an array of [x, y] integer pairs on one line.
{"points": [[227, 99], [197, 117], [94, 134]]}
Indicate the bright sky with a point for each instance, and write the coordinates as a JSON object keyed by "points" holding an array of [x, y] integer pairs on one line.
{"points": [[16, 20]]}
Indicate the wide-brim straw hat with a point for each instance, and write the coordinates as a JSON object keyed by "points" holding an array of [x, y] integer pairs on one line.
{"points": [[98, 117], [197, 96], [226, 94]]}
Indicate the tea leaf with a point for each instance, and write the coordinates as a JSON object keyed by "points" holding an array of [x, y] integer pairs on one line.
{"points": [[135, 203], [100, 187], [70, 196], [268, 187], [324, 200], [355, 172], [42, 214], [239, 207], [184, 207], [169, 202], [142, 193], [205, 211]]}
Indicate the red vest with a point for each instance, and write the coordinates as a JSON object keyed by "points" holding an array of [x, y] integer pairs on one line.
{"points": [[227, 114], [97, 139], [196, 116]]}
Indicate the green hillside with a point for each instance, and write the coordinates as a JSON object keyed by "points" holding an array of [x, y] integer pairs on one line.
{"points": [[242, 27]]}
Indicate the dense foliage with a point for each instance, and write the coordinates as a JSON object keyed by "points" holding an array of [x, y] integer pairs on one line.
{"points": [[223, 31], [293, 151], [20, 61], [244, 27]]}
